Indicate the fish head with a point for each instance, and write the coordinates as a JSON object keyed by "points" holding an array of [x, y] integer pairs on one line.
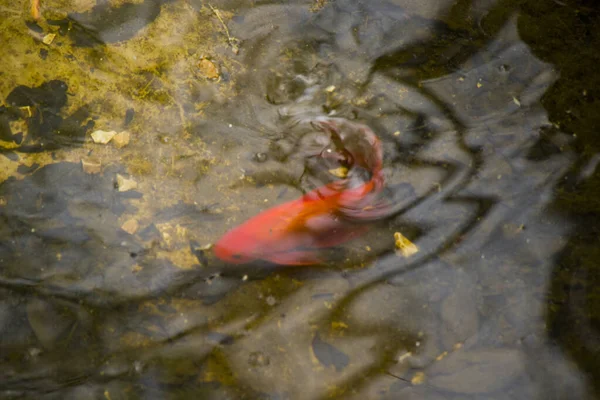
{"points": [[236, 247], [356, 142]]}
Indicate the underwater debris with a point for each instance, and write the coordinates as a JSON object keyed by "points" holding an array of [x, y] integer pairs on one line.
{"points": [[232, 41], [125, 184], [418, 378], [405, 246], [103, 137], [130, 226], [48, 39], [121, 139], [91, 166], [208, 69], [31, 118], [341, 172]]}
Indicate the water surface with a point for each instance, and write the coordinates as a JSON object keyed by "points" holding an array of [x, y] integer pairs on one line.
{"points": [[486, 112]]}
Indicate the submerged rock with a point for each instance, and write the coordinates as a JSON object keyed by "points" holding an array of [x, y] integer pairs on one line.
{"points": [[121, 139], [91, 166], [208, 69]]}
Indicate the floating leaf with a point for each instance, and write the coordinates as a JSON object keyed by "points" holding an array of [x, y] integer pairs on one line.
{"points": [[405, 246]]}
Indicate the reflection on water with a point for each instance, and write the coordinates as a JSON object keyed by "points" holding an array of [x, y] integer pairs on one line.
{"points": [[110, 286]]}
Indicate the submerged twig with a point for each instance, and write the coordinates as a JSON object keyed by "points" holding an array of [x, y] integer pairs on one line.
{"points": [[233, 42], [396, 376]]}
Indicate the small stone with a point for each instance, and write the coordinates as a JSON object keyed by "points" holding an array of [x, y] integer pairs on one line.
{"points": [[125, 184], [405, 356], [121, 139], [136, 268], [208, 69], [103, 137], [418, 378], [49, 38], [338, 325], [130, 226], [91, 166]]}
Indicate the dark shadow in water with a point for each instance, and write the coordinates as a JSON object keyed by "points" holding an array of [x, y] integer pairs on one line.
{"points": [[39, 108], [59, 236], [566, 34], [109, 24]]}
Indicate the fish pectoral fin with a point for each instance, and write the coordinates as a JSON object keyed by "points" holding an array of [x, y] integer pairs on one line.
{"points": [[296, 257]]}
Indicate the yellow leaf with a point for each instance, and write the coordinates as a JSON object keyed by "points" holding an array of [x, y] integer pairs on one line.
{"points": [[406, 247], [338, 325], [340, 172], [418, 378]]}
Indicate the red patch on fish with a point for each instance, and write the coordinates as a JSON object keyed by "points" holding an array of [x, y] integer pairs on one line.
{"points": [[296, 232]]}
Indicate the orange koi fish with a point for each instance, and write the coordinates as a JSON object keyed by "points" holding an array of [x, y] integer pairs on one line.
{"points": [[294, 233], [35, 10]]}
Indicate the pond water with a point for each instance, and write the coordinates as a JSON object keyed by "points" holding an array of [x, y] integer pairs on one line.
{"points": [[485, 113]]}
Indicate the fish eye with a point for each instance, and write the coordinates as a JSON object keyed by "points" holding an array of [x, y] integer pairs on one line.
{"points": [[237, 256]]}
